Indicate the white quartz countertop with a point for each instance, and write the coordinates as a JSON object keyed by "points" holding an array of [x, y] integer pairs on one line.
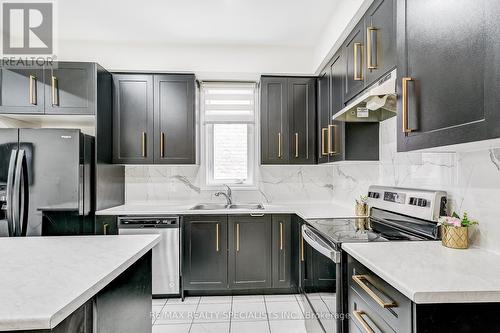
{"points": [[427, 272], [305, 211], [45, 279]]}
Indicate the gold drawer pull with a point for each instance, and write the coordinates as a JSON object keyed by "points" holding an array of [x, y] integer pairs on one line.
{"points": [[405, 81], [162, 144], [332, 130], [359, 317], [237, 237], [362, 281], [32, 90], [279, 144], [281, 236], [144, 151], [296, 145], [105, 229], [217, 237], [302, 248], [55, 88], [324, 151], [358, 62], [370, 32]]}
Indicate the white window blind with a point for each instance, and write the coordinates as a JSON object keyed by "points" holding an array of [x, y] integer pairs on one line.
{"points": [[229, 125]]}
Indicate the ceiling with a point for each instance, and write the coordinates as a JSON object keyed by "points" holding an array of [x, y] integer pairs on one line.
{"points": [[291, 23]]}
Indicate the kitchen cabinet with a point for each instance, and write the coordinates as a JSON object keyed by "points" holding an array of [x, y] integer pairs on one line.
{"points": [[380, 40], [154, 119], [288, 115], [205, 252], [174, 119], [281, 251], [354, 50], [64, 88], [249, 251], [70, 88], [133, 118], [447, 99], [22, 90]]}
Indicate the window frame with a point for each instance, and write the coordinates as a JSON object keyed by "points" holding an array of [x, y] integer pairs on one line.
{"points": [[207, 138]]}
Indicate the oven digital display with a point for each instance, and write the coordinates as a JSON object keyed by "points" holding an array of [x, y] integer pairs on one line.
{"points": [[395, 197]]}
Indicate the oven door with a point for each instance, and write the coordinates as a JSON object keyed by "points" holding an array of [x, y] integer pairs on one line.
{"points": [[320, 272]]}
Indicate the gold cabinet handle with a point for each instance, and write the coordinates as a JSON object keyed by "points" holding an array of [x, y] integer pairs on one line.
{"points": [[296, 145], [301, 248], [358, 62], [162, 144], [237, 237], [332, 130], [370, 31], [105, 229], [279, 144], [55, 88], [281, 236], [362, 281], [359, 317], [217, 237], [405, 81], [32, 90], [144, 151], [324, 151]]}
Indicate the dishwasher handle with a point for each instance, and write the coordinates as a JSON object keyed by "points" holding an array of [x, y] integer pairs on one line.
{"points": [[316, 242]]}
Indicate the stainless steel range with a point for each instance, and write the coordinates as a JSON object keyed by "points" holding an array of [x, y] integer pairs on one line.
{"points": [[396, 214]]}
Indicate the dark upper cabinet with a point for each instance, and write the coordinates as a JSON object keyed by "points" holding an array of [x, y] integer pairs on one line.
{"points": [[204, 263], [380, 40], [288, 116], [22, 90], [354, 49], [274, 120], [249, 252], [70, 88], [447, 72], [335, 132], [174, 119], [324, 116], [281, 251], [133, 118], [302, 113]]}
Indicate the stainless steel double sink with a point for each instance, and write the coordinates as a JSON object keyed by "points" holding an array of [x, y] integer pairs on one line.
{"points": [[216, 206]]}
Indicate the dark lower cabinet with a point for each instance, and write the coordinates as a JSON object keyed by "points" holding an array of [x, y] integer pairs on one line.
{"points": [[249, 252], [133, 118], [281, 249], [447, 99], [205, 252]]}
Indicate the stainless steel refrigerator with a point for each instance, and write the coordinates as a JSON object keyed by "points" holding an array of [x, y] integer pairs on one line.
{"points": [[43, 172]]}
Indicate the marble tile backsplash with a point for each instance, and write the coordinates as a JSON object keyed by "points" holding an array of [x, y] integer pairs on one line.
{"points": [[472, 180]]}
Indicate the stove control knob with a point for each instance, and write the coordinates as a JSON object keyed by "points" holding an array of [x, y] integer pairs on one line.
{"points": [[422, 202], [413, 201]]}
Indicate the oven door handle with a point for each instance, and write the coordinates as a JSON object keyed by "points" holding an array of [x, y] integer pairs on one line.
{"points": [[316, 242]]}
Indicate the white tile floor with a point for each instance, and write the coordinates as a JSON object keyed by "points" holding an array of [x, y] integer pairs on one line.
{"points": [[229, 314]]}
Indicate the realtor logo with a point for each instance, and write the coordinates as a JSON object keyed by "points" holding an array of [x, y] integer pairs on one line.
{"points": [[27, 28]]}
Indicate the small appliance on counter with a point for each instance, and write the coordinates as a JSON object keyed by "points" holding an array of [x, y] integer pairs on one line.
{"points": [[396, 214]]}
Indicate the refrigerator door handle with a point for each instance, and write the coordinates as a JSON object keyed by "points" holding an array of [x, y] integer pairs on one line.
{"points": [[10, 183], [20, 196]]}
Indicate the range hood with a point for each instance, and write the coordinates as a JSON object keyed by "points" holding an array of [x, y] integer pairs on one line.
{"points": [[376, 103]]}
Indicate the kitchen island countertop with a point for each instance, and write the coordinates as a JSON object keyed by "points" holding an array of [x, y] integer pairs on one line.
{"points": [[44, 279]]}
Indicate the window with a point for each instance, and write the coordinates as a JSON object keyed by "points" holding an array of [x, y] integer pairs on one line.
{"points": [[228, 117]]}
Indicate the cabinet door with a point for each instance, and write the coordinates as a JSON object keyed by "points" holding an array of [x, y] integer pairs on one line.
{"points": [[205, 252], [22, 90], [174, 105], [282, 251], [335, 132], [442, 96], [354, 50], [380, 39], [249, 252], [302, 117], [274, 121], [323, 116], [70, 88], [133, 118]]}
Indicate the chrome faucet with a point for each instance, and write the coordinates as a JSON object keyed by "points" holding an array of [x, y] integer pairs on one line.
{"points": [[228, 195]]}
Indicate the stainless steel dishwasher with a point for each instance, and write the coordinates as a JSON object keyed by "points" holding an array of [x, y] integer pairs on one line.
{"points": [[166, 260]]}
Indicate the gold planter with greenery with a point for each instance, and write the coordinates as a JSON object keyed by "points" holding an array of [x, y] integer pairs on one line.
{"points": [[455, 231], [361, 208]]}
